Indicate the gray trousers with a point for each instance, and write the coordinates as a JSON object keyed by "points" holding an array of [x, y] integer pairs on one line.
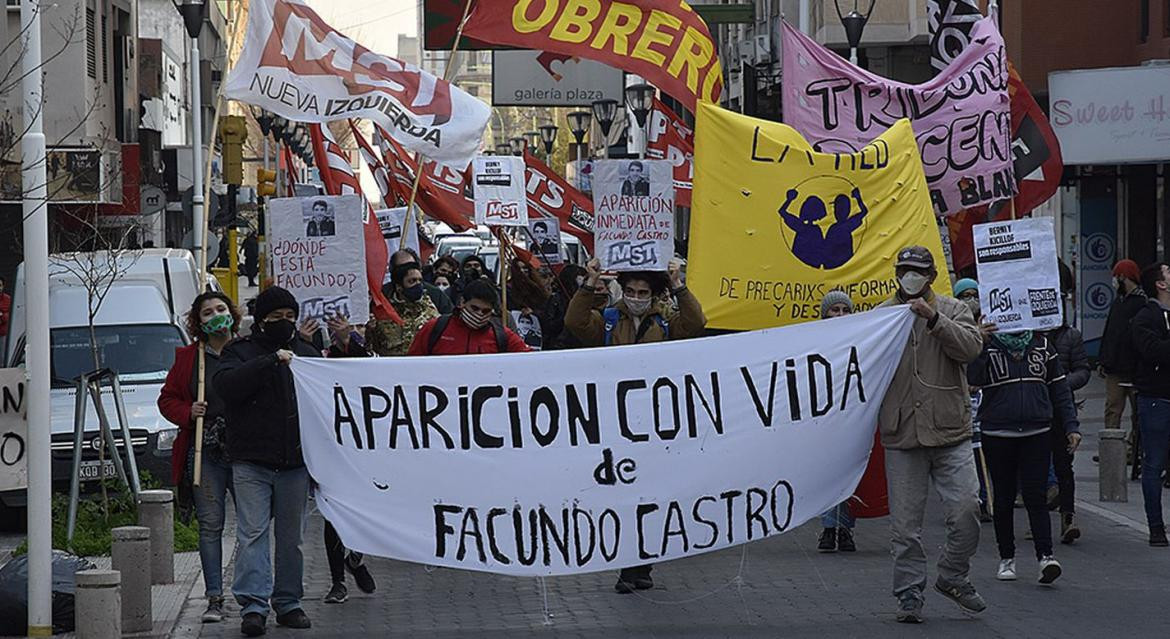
{"points": [[909, 474]]}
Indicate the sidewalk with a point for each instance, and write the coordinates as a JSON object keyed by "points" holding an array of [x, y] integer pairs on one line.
{"points": [[776, 587]]}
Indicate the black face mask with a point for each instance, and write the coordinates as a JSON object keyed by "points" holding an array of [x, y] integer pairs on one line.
{"points": [[472, 273], [280, 331]]}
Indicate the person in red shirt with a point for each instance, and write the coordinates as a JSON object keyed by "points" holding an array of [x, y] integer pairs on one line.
{"points": [[5, 309], [472, 329]]}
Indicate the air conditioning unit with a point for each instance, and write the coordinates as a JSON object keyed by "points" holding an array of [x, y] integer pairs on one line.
{"points": [[755, 50]]}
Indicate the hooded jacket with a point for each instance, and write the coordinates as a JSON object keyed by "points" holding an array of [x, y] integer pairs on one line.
{"points": [[1022, 393], [1151, 339], [588, 324], [928, 403], [1073, 360], [263, 426]]}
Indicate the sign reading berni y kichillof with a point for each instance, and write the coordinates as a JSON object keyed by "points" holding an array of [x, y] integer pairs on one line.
{"points": [[296, 65]]}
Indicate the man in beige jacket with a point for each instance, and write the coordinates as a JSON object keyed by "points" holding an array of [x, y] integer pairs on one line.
{"points": [[925, 423]]}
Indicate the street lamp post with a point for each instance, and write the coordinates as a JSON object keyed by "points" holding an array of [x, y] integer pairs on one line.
{"points": [[519, 143], [640, 99], [605, 111], [264, 119], [193, 13], [533, 139], [579, 122], [548, 135], [503, 148], [854, 23]]}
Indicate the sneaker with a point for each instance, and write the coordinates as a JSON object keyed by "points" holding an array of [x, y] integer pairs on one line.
{"points": [[643, 583], [1069, 531], [253, 625], [1049, 569], [214, 612], [623, 587], [361, 574], [910, 607], [295, 618], [337, 594], [963, 594], [845, 541], [828, 541], [1007, 570], [1158, 537]]}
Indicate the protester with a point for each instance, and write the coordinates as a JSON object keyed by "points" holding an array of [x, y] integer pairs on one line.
{"points": [[1117, 356], [268, 470], [1151, 338], [1070, 346], [473, 329], [1025, 395], [568, 281], [539, 321], [212, 321], [407, 256], [446, 266], [925, 423], [638, 318], [388, 338], [251, 250], [967, 291], [837, 522], [472, 269]]}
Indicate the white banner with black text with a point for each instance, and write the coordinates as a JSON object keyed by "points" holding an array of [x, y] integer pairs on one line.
{"points": [[577, 461]]}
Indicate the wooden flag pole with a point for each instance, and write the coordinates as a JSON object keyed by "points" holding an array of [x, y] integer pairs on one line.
{"points": [[418, 165], [201, 379]]}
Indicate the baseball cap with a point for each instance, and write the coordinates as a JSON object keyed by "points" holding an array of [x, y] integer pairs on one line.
{"points": [[915, 257]]}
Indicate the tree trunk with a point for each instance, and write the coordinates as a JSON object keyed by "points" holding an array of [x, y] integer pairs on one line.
{"points": [[97, 363]]}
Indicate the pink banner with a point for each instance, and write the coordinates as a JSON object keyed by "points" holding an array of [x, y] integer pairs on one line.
{"points": [[961, 118]]}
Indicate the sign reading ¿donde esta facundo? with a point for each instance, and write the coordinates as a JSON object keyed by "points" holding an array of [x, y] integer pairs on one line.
{"points": [[664, 451], [319, 254], [1019, 280]]}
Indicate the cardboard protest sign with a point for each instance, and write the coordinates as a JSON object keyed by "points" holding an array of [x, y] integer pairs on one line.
{"points": [[13, 430], [318, 254], [962, 117], [1019, 280], [416, 464], [544, 240], [500, 196], [633, 205], [393, 222], [776, 225]]}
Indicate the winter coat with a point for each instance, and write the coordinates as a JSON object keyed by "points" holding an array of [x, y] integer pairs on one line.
{"points": [[460, 339], [1151, 339], [1117, 355], [1022, 393], [174, 403], [389, 338], [263, 426], [588, 324], [928, 403], [1073, 360]]}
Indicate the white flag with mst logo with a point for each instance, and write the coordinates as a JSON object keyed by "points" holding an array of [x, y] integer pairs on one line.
{"points": [[296, 65]]}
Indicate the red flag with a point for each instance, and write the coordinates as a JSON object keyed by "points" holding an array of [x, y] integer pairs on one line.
{"points": [[664, 41], [669, 138], [374, 164], [442, 191], [550, 195], [339, 179], [1038, 167]]}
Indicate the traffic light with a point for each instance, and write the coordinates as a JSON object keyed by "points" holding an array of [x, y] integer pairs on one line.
{"points": [[265, 182], [232, 134]]}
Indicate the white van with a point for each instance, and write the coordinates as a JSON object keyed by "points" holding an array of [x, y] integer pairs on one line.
{"points": [[137, 327]]}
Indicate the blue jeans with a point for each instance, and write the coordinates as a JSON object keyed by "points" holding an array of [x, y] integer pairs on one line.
{"points": [[1154, 422], [210, 500], [838, 517], [267, 499]]}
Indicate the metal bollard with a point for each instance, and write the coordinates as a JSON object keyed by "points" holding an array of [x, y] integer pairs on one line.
{"points": [[156, 511], [98, 604], [1111, 467], [131, 557]]}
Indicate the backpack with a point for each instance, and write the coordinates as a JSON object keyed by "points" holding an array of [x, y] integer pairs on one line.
{"points": [[444, 320], [611, 317]]}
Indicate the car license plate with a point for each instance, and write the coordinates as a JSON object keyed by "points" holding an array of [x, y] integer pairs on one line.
{"points": [[97, 469]]}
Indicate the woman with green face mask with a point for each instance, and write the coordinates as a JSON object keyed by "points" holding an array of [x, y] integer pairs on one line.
{"points": [[212, 322]]}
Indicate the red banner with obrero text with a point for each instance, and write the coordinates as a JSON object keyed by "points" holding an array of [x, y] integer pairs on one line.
{"points": [[664, 41]]}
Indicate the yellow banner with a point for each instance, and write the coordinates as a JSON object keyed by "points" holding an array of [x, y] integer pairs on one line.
{"points": [[776, 225]]}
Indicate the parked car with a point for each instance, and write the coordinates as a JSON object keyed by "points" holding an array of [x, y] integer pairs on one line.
{"points": [[457, 246], [138, 325]]}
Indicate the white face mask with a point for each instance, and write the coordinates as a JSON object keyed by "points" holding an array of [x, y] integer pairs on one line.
{"points": [[973, 304], [638, 308], [913, 283]]}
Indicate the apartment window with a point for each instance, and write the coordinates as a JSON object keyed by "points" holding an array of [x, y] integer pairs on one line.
{"points": [[90, 43], [105, 51]]}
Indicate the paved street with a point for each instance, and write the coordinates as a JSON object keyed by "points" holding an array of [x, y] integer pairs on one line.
{"points": [[777, 587]]}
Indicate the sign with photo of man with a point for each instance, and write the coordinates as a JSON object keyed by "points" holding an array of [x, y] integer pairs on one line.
{"points": [[545, 239], [500, 195], [319, 217], [633, 207]]}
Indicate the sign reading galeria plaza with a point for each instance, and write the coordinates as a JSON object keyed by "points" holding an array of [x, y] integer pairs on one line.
{"points": [[520, 466]]}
